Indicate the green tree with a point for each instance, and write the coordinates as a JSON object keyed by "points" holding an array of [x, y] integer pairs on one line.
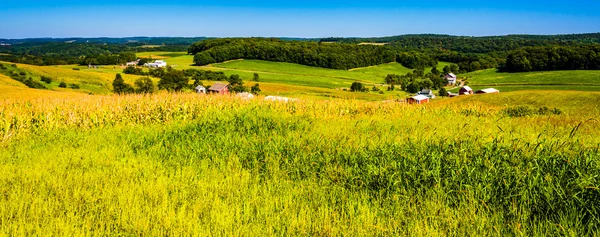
{"points": [[454, 68], [256, 77], [442, 92], [62, 84], [447, 70], [236, 83], [173, 80], [120, 87], [144, 85], [412, 87], [356, 87], [255, 89], [435, 71], [427, 84]]}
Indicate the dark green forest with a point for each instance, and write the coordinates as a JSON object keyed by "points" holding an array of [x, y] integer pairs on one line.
{"points": [[336, 56], [512, 53]]}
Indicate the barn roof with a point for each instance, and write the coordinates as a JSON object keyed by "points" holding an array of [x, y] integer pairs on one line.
{"points": [[200, 87], [218, 87], [468, 88], [420, 97], [425, 92], [489, 90]]}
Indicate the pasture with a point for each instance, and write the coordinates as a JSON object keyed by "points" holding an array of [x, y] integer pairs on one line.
{"points": [[183, 164], [551, 80]]}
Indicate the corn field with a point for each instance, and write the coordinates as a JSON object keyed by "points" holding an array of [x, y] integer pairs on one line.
{"points": [[183, 164]]}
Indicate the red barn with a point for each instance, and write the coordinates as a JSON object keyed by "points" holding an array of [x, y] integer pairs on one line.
{"points": [[420, 99], [218, 88], [465, 90]]}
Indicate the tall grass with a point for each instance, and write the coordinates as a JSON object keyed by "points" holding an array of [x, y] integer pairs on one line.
{"points": [[182, 164]]}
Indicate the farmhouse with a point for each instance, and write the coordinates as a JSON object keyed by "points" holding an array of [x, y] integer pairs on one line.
{"points": [[465, 90], [488, 91], [427, 92], [218, 88], [419, 99], [156, 64], [200, 89], [451, 78]]}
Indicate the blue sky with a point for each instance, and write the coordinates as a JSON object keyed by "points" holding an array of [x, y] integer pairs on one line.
{"points": [[294, 18]]}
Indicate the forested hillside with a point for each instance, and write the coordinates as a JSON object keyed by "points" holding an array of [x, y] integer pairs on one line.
{"points": [[336, 56]]}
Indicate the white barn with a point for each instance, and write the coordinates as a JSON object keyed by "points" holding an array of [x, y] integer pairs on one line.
{"points": [[156, 64]]}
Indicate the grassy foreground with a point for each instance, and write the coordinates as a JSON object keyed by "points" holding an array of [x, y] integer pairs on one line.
{"points": [[180, 164]]}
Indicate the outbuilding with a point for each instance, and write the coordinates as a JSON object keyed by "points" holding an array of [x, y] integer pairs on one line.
{"points": [[465, 90], [488, 91], [427, 92], [200, 89], [219, 88], [419, 99]]}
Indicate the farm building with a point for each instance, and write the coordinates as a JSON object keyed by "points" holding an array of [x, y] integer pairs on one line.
{"points": [[451, 78], [156, 64], [133, 63], [245, 96], [450, 94], [218, 88], [200, 89], [419, 99], [278, 98], [465, 90], [488, 91], [427, 92]]}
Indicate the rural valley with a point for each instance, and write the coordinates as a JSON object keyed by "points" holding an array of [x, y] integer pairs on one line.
{"points": [[408, 135]]}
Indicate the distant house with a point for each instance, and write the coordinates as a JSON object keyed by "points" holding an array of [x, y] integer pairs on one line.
{"points": [[451, 78], [419, 99], [218, 88], [156, 64], [245, 96], [465, 90], [278, 98], [200, 89], [488, 91], [427, 92]]}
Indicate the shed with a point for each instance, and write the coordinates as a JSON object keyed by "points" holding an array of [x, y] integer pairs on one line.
{"points": [[200, 89], [488, 91], [219, 88], [419, 99], [465, 90]]}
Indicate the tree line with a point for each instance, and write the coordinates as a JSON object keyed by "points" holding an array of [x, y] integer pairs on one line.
{"points": [[335, 56], [551, 58], [179, 80]]}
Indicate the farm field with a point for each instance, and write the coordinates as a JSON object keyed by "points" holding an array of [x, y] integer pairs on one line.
{"points": [[178, 164], [554, 80]]}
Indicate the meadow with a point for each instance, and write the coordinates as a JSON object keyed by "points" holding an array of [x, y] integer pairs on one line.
{"points": [[586, 80], [183, 164]]}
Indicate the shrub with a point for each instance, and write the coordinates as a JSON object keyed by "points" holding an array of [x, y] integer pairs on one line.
{"points": [[62, 84], [144, 85], [357, 86], [74, 86], [46, 79], [381, 92], [76, 69], [23, 73]]}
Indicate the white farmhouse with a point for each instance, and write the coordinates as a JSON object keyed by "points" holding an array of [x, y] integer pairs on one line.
{"points": [[451, 78]]}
